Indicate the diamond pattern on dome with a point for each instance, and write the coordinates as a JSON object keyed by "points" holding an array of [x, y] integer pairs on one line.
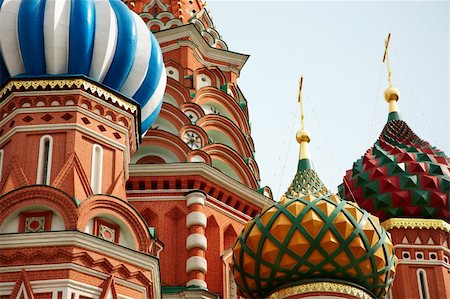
{"points": [[249, 263], [371, 233], [269, 251], [267, 215], [342, 258], [264, 271], [253, 238], [313, 236], [313, 223], [357, 247], [329, 242], [343, 225], [410, 175], [280, 227], [295, 208], [287, 262], [325, 207]]}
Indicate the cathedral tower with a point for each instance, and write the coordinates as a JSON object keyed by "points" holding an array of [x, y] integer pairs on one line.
{"points": [[73, 109], [406, 182], [194, 178]]}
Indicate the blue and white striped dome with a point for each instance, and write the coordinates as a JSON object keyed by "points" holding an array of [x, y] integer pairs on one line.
{"points": [[101, 39]]}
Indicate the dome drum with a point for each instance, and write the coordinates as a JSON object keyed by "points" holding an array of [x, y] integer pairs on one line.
{"points": [[322, 289]]}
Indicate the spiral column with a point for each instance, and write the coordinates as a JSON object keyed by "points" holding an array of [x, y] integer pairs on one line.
{"points": [[196, 242]]}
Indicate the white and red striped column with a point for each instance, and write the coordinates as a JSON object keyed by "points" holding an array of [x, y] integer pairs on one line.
{"points": [[196, 243]]}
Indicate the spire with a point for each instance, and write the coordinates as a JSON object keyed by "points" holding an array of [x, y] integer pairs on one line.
{"points": [[391, 94], [303, 136]]}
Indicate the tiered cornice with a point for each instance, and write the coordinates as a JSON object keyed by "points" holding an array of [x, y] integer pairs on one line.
{"points": [[209, 116], [160, 16]]}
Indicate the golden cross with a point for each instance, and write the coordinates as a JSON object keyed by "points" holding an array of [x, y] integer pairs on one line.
{"points": [[301, 102], [386, 58]]}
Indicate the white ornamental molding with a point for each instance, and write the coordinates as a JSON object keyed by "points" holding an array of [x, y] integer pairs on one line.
{"points": [[195, 198], [197, 282], [196, 241], [196, 263], [196, 218]]}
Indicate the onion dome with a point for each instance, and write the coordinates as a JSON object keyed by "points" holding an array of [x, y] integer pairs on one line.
{"points": [[401, 175], [103, 40], [312, 235]]}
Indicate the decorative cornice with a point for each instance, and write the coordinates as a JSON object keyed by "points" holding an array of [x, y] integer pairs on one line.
{"points": [[206, 171], [418, 223], [64, 84], [83, 240], [192, 33], [332, 287]]}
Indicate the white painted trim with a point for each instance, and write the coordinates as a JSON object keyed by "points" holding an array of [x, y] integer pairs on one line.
{"points": [[22, 291], [206, 171], [424, 263], [74, 267], [423, 294], [40, 173], [195, 198], [116, 127], [63, 127], [2, 153], [196, 241], [69, 266], [220, 206], [192, 33], [197, 282], [211, 202], [68, 285], [76, 109], [437, 247], [196, 218], [191, 294], [198, 263], [75, 238], [96, 168]]}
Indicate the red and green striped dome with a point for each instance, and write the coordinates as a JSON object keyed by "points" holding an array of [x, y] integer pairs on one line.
{"points": [[400, 176]]}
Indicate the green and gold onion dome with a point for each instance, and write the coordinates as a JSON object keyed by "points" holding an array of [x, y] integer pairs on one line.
{"points": [[312, 235], [401, 175]]}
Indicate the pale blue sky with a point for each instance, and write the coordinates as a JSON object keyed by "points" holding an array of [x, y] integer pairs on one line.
{"points": [[338, 46]]}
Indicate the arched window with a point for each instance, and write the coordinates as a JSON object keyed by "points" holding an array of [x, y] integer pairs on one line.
{"points": [[45, 160], [96, 169], [423, 284]]}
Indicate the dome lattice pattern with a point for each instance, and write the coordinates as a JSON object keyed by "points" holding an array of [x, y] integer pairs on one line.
{"points": [[312, 234], [400, 176]]}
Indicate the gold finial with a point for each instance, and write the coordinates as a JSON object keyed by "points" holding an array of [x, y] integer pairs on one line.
{"points": [[391, 94], [303, 134]]}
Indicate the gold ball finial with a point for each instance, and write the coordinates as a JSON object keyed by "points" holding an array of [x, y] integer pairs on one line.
{"points": [[303, 135], [391, 94]]}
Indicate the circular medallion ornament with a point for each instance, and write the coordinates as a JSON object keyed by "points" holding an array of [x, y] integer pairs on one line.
{"points": [[106, 233], [192, 139], [34, 224]]}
